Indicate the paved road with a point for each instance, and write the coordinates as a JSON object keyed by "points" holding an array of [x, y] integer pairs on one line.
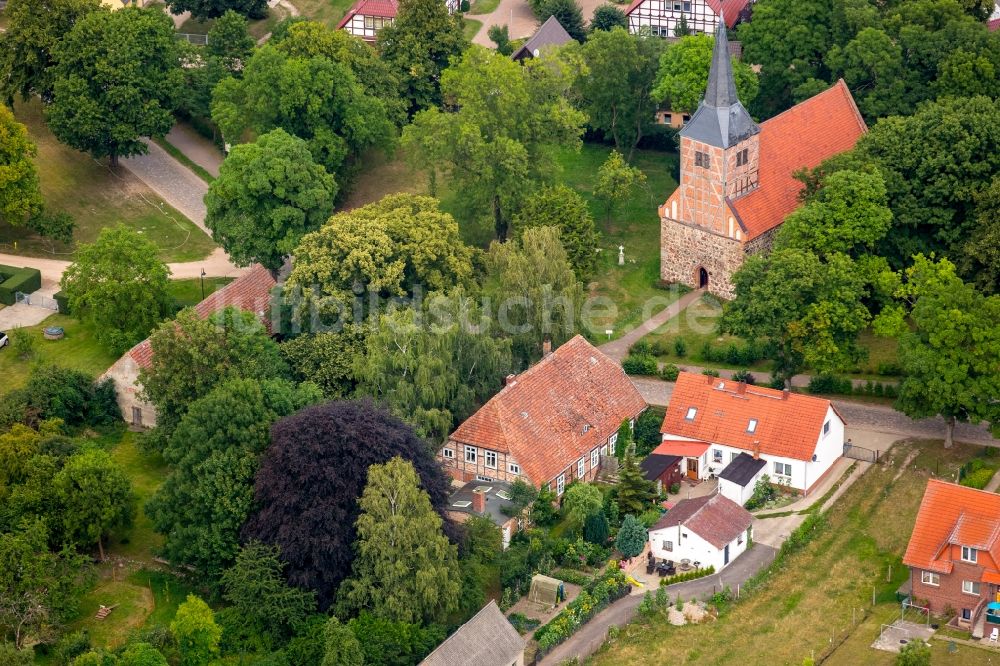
{"points": [[171, 180], [590, 636], [520, 20]]}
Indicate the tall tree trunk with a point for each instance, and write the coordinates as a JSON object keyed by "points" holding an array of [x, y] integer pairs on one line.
{"points": [[113, 160], [499, 225], [100, 548], [949, 433]]}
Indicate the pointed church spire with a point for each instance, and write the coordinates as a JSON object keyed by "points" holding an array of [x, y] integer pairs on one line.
{"points": [[720, 119]]}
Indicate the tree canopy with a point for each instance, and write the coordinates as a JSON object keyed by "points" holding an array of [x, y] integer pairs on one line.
{"points": [[269, 193], [580, 502], [608, 17], [567, 12], [196, 632], [566, 210], [683, 74], [20, 195], [95, 496], [210, 9], [631, 537]]}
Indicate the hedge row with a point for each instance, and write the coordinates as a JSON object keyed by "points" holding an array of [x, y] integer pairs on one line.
{"points": [[833, 385], [13, 280], [687, 575]]}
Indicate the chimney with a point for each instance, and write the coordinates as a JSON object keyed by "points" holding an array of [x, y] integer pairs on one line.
{"points": [[479, 503], [784, 394], [546, 347], [756, 449], [741, 388], [709, 379], [509, 380]]}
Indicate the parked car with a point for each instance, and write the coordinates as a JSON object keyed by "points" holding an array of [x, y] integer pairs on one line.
{"points": [[4, 340]]}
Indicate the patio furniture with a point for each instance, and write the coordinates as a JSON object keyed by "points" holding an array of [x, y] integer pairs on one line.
{"points": [[650, 566], [685, 564], [994, 635]]}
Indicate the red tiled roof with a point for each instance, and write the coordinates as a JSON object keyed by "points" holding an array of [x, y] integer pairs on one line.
{"points": [[555, 412], [683, 449], [715, 518], [956, 515], [381, 8], [733, 9], [803, 136], [250, 292], [993, 25], [788, 424]]}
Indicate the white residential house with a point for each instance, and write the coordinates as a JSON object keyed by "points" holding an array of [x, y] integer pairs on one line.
{"points": [[711, 531]]}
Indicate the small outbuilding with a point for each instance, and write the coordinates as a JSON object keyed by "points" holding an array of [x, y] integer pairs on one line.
{"points": [[662, 470], [549, 36], [488, 639], [488, 500], [706, 531], [739, 477]]}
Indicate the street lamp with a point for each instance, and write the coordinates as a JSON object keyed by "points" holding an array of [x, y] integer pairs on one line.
{"points": [[202, 284]]}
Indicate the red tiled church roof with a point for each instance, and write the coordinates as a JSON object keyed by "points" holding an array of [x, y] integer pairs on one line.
{"points": [[951, 514], [555, 412], [380, 8], [788, 424], [250, 292], [803, 136], [715, 518]]}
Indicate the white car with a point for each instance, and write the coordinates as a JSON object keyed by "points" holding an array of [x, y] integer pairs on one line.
{"points": [[4, 340]]}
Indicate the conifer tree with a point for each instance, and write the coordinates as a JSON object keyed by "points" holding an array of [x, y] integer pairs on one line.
{"points": [[634, 491], [631, 537]]}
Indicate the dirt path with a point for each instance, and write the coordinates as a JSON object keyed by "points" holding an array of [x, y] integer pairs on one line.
{"points": [[196, 148], [520, 20]]}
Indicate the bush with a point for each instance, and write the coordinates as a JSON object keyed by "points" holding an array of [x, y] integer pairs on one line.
{"points": [[607, 588], [670, 372], [522, 623], [891, 391], [72, 645], [914, 653], [675, 488], [641, 348], [464, 7], [990, 451], [13, 280], [680, 348], [22, 343], [744, 376], [709, 372], [889, 369], [776, 383], [763, 492], [62, 300], [686, 576], [640, 365], [978, 479], [829, 385]]}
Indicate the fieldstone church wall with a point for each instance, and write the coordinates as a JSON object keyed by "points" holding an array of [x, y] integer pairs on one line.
{"points": [[685, 249]]}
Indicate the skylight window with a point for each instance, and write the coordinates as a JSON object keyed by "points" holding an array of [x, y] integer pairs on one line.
{"points": [[752, 426], [691, 413], [463, 504], [503, 494]]}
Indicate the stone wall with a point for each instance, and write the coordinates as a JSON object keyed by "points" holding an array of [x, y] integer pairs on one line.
{"points": [[685, 248], [125, 374], [761, 244]]}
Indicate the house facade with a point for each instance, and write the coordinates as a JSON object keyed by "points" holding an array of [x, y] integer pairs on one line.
{"points": [[551, 424], [954, 555], [366, 17], [738, 479], [661, 17], [737, 181], [662, 471], [711, 421], [710, 530]]}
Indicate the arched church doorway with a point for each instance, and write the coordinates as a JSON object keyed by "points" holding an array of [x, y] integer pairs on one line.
{"points": [[702, 278]]}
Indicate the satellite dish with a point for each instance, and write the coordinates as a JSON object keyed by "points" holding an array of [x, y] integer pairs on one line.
{"points": [[814, 457], [535, 53]]}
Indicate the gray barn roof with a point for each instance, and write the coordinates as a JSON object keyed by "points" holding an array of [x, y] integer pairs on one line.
{"points": [[550, 34], [488, 639], [742, 469]]}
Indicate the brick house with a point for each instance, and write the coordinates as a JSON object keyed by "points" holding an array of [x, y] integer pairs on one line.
{"points": [[737, 184], [954, 554], [250, 292], [549, 425], [711, 421]]}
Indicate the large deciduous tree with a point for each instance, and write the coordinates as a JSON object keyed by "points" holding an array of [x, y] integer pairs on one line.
{"points": [[210, 9], [404, 569], [616, 182], [27, 47], [269, 193], [981, 253], [192, 355], [327, 359], [616, 93], [311, 478], [95, 496], [116, 80], [496, 136], [214, 454], [563, 208], [20, 196], [418, 45], [119, 284], [229, 41], [682, 75], [196, 632], [581, 501], [608, 17]]}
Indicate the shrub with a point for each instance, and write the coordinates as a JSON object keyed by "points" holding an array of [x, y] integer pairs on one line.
{"points": [[891, 391], [464, 7], [670, 372], [640, 365], [709, 372], [889, 369], [22, 343], [640, 348], [829, 385], [879, 389], [522, 623], [744, 376], [989, 451], [978, 479], [610, 586], [686, 576], [763, 492], [680, 348], [776, 383], [13, 280], [675, 488], [914, 653]]}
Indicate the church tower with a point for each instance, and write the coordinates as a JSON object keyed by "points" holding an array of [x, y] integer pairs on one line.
{"points": [[701, 237]]}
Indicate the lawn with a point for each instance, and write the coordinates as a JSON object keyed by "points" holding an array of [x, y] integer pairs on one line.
{"points": [[188, 292], [257, 29], [168, 591], [809, 602], [480, 7], [471, 27], [97, 197], [146, 471], [325, 11], [133, 604], [78, 350]]}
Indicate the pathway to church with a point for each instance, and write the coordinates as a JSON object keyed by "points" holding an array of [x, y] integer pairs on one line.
{"points": [[618, 349]]}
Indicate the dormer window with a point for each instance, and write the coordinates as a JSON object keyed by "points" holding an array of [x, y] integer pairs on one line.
{"points": [[752, 426], [691, 413], [969, 554]]}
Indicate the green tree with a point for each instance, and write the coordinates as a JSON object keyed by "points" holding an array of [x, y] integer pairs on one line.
{"points": [[229, 41], [26, 578], [567, 12], [950, 356], [543, 509], [142, 654], [210, 9], [342, 646], [647, 432], [634, 492], [535, 290], [811, 310], [116, 81], [608, 17], [95, 496], [500, 36], [314, 98], [631, 537], [596, 529], [404, 568], [616, 181], [616, 92], [682, 29], [120, 286], [34, 29], [623, 442], [497, 139], [214, 454], [563, 208], [683, 74], [418, 45], [581, 501], [872, 62], [394, 643], [980, 259], [327, 359], [196, 632], [914, 653], [20, 196], [192, 355], [269, 193]]}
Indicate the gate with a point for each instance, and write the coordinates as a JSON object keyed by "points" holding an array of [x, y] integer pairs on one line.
{"points": [[860, 453], [37, 300]]}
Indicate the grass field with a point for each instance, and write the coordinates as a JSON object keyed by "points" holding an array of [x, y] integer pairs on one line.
{"points": [[146, 471], [480, 7], [78, 349], [257, 29], [96, 198], [133, 604], [188, 292], [808, 602], [471, 27]]}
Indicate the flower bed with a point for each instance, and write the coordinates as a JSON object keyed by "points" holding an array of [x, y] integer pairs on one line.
{"points": [[610, 586]]}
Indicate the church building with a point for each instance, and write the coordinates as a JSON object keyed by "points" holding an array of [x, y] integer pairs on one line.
{"points": [[736, 177]]}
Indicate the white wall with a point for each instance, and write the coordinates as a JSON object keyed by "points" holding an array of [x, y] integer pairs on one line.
{"points": [[740, 495], [829, 448], [693, 547]]}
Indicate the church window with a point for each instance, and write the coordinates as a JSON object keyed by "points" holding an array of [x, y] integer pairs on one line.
{"points": [[701, 159], [741, 157]]}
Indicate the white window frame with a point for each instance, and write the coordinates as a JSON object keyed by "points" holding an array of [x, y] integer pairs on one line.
{"points": [[485, 479], [668, 546], [692, 412], [370, 22], [752, 426], [971, 587], [604, 449], [514, 468], [780, 471], [448, 453], [717, 456], [595, 458], [487, 454], [930, 578], [581, 468], [970, 554], [471, 454], [560, 484], [612, 440]]}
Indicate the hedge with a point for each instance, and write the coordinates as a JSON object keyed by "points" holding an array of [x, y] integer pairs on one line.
{"points": [[607, 588], [62, 300], [687, 575], [12, 280], [640, 365]]}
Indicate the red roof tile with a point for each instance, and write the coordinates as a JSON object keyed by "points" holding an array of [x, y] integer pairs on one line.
{"points": [[788, 424], [382, 8], [956, 515], [993, 25], [715, 518], [555, 412], [803, 136], [733, 9]]}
